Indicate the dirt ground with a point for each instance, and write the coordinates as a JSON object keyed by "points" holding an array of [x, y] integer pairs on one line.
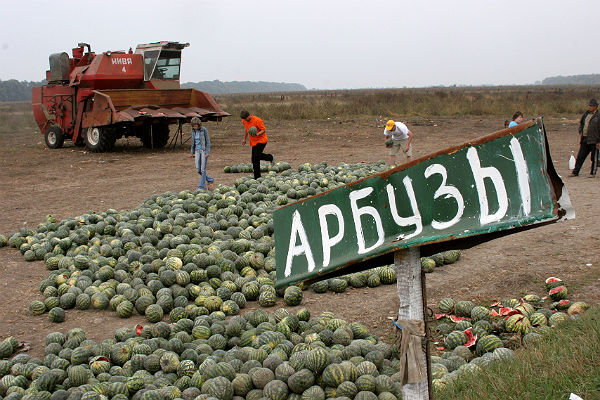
{"points": [[36, 181]]}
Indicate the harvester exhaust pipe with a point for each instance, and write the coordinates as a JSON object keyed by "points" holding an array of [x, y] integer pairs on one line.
{"points": [[89, 49]]}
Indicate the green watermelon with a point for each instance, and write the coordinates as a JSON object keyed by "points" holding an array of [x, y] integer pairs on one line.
{"points": [[292, 296], [446, 305]]}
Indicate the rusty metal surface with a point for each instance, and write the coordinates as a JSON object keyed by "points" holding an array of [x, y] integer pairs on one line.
{"points": [[135, 105]]}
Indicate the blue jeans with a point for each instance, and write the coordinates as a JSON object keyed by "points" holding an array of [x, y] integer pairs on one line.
{"points": [[201, 168]]}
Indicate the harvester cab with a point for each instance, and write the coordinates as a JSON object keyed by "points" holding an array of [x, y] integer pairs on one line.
{"points": [[94, 99], [162, 63]]}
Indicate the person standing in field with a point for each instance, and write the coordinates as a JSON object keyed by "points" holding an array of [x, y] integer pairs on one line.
{"points": [[255, 129], [200, 151], [401, 140], [589, 138], [516, 119]]}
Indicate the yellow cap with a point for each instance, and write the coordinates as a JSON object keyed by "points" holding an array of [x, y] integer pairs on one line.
{"points": [[390, 125]]}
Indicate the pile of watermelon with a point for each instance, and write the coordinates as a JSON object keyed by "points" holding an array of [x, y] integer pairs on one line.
{"points": [[471, 336], [253, 356], [370, 278], [264, 167], [428, 264], [210, 251]]}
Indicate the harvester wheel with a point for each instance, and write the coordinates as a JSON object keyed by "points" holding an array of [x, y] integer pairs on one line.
{"points": [[99, 139], [54, 137], [160, 136]]}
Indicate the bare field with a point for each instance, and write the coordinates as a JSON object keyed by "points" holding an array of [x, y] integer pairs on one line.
{"points": [[35, 181]]}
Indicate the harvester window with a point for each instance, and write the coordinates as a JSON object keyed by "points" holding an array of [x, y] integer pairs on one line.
{"points": [[150, 58], [167, 66]]}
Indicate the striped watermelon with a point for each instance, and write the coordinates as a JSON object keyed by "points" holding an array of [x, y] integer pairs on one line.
{"points": [[154, 313], [56, 314], [387, 275], [558, 293], [292, 296], [579, 307], [300, 381], [316, 360], [37, 307], [558, 318], [446, 305], [454, 339], [487, 344], [267, 299], [276, 390], [463, 308]]}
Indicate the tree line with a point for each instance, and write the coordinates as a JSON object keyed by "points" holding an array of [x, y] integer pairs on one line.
{"points": [[589, 79], [218, 87], [14, 90]]}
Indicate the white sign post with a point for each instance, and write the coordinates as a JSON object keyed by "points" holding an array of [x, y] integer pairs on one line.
{"points": [[407, 263]]}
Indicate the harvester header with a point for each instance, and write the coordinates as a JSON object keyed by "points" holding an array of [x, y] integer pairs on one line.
{"points": [[94, 99]]}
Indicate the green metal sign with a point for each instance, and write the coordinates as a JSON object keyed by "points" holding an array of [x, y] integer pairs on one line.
{"points": [[500, 182]]}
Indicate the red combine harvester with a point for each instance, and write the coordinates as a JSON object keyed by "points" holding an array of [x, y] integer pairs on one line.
{"points": [[95, 99]]}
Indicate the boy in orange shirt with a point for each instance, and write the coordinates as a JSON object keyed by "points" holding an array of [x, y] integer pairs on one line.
{"points": [[255, 129]]}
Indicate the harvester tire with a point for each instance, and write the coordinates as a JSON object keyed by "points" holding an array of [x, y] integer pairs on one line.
{"points": [[54, 137], [160, 137], [98, 139]]}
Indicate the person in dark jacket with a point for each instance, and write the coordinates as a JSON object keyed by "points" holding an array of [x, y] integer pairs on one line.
{"points": [[589, 138]]}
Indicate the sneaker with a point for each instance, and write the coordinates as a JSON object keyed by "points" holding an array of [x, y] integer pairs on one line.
{"points": [[591, 176]]}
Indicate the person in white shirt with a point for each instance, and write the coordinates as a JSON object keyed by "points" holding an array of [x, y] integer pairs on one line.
{"points": [[401, 140]]}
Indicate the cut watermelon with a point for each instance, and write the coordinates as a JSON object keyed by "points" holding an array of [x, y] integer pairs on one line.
{"points": [[558, 293], [138, 329], [472, 339], [553, 282], [455, 319], [509, 311]]}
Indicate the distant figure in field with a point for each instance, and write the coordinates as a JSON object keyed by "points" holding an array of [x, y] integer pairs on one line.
{"points": [[506, 122], [516, 119], [401, 140], [256, 131], [589, 138]]}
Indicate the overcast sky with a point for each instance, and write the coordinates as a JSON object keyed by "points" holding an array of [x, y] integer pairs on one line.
{"points": [[320, 44]]}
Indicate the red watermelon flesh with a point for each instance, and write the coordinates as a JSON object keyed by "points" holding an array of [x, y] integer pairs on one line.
{"points": [[558, 293], [472, 339]]}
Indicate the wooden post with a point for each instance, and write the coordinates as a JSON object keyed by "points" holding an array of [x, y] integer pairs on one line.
{"points": [[407, 263]]}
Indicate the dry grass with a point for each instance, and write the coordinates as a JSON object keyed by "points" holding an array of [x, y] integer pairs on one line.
{"points": [[16, 117], [447, 101]]}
